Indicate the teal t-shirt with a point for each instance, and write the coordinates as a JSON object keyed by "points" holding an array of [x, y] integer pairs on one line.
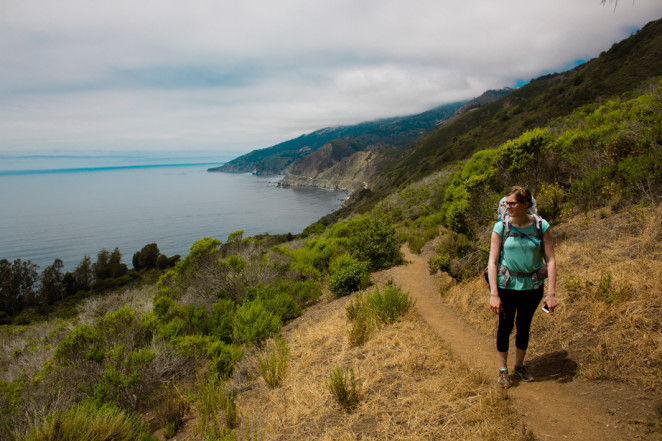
{"points": [[520, 254]]}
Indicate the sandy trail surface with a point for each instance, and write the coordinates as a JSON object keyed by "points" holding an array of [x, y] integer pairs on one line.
{"points": [[554, 406]]}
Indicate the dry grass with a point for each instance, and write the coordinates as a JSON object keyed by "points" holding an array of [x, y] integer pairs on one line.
{"points": [[25, 349], [609, 289], [138, 299], [412, 387]]}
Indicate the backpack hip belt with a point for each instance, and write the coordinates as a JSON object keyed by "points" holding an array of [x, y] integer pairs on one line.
{"points": [[536, 276]]}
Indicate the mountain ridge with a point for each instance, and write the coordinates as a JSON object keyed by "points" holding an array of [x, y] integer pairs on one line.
{"points": [[393, 132]]}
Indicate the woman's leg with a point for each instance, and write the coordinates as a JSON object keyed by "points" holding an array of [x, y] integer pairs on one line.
{"points": [[527, 303], [506, 323]]}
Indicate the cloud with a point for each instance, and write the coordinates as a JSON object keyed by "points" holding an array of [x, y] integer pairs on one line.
{"points": [[165, 75]]}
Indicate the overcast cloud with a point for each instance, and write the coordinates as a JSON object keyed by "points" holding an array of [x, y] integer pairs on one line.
{"points": [[80, 76]]}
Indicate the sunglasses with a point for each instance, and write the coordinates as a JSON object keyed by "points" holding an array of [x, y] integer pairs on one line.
{"points": [[511, 204]]}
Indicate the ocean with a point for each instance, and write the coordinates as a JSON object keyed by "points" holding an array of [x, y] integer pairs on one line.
{"points": [[48, 213]]}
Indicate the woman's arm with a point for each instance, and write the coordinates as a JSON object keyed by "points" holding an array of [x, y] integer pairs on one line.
{"points": [[548, 240], [495, 250]]}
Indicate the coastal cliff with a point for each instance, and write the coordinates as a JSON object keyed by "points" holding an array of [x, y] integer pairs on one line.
{"points": [[351, 173]]}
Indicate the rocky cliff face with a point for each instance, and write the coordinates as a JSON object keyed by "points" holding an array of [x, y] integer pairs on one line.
{"points": [[352, 173]]}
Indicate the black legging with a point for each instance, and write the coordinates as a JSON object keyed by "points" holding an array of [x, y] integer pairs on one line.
{"points": [[522, 304]]}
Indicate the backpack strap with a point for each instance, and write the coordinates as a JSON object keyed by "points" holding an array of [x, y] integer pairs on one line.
{"points": [[536, 276]]}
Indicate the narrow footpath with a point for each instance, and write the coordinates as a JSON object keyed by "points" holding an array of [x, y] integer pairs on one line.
{"points": [[551, 409]]}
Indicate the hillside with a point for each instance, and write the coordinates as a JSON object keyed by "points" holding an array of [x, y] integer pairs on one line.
{"points": [[393, 132], [623, 69], [431, 374]]}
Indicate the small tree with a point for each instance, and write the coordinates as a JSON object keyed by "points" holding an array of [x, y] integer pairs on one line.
{"points": [[83, 275], [147, 257], [115, 266], [52, 283], [17, 285], [100, 267]]}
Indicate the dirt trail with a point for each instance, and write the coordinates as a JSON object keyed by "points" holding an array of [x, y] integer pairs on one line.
{"points": [[550, 407]]}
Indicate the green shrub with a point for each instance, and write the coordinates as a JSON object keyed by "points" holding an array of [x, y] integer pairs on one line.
{"points": [[122, 376], [374, 240], [549, 200], [306, 292], [88, 422], [170, 408], [276, 299], [416, 238], [79, 345], [521, 157], [606, 290], [313, 229], [223, 358], [214, 398], [108, 360], [345, 387], [221, 320], [360, 321], [347, 274], [273, 364], [365, 312], [253, 323], [389, 304], [442, 262]]}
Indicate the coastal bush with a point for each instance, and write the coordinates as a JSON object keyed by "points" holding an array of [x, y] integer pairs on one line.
{"points": [[451, 249], [374, 240], [313, 258], [365, 312], [170, 407], [522, 157], [360, 321], [215, 398], [253, 323], [549, 201], [347, 274], [273, 362], [109, 361], [223, 358], [389, 304], [123, 379], [276, 299], [87, 421], [469, 193], [345, 387], [221, 320]]}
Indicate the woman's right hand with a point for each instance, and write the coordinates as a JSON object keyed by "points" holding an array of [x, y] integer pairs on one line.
{"points": [[495, 304]]}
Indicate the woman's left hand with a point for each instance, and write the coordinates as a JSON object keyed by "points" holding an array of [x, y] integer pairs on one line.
{"points": [[551, 302]]}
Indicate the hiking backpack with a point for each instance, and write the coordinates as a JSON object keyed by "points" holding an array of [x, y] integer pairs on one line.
{"points": [[537, 276]]}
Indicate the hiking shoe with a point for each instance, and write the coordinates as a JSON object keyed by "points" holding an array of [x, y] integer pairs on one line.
{"points": [[522, 373], [504, 379]]}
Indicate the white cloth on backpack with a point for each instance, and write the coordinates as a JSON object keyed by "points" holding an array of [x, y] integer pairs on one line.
{"points": [[501, 209]]}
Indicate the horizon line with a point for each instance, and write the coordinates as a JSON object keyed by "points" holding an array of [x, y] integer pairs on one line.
{"points": [[95, 169]]}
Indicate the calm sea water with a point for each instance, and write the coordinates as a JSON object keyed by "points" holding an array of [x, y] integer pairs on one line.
{"points": [[72, 213]]}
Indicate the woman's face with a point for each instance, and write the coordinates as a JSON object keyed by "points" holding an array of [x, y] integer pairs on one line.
{"points": [[513, 206]]}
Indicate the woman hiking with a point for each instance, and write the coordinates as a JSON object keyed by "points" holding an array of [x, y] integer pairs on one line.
{"points": [[516, 272]]}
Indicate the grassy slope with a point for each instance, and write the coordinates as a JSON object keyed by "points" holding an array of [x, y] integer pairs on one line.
{"points": [[415, 389]]}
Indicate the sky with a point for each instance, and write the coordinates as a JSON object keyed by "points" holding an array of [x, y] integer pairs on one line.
{"points": [[222, 78]]}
